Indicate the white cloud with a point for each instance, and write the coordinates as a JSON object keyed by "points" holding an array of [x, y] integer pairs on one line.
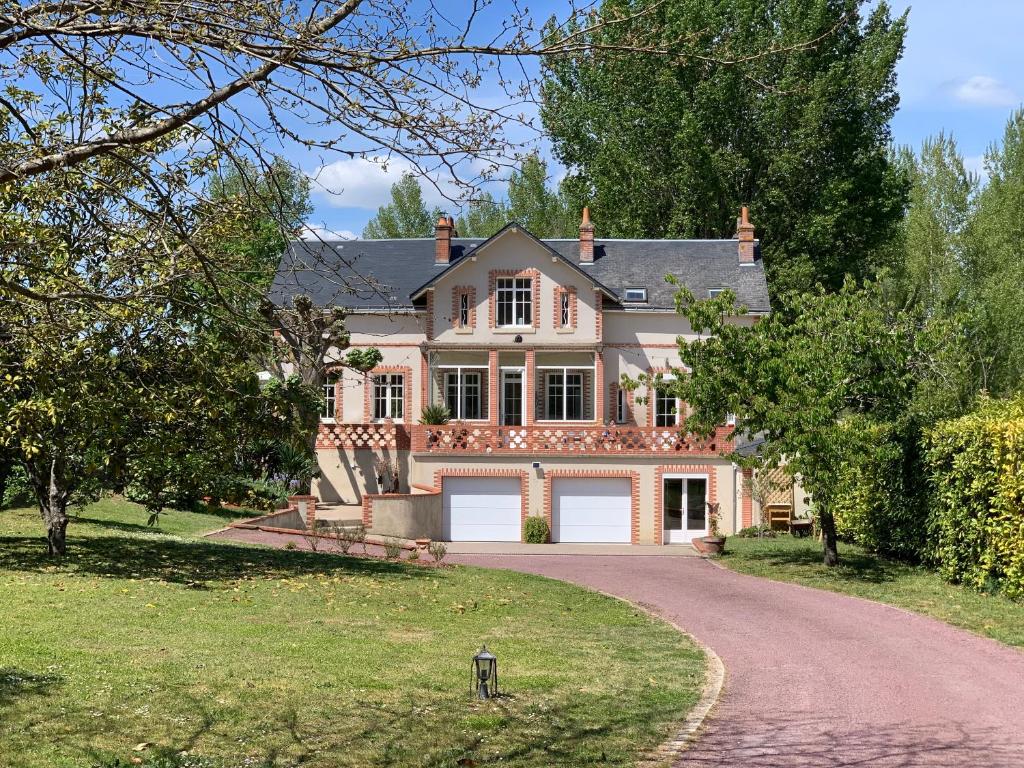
{"points": [[365, 183], [984, 91], [319, 232]]}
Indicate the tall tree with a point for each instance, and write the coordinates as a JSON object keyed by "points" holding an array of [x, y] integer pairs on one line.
{"points": [[672, 146], [405, 216], [482, 217]]}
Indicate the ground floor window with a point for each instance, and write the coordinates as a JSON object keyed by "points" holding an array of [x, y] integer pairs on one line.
{"points": [[564, 396], [462, 394], [388, 396]]}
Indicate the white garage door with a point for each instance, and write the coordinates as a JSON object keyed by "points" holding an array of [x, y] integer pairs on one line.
{"points": [[591, 509], [482, 509]]}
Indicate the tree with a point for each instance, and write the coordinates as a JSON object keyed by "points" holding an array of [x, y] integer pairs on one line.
{"points": [[405, 216], [815, 380], [672, 146], [483, 217]]}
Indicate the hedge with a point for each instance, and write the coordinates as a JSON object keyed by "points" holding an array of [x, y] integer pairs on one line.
{"points": [[976, 468], [878, 496]]}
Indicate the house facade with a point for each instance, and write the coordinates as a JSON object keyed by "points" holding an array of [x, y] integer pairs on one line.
{"points": [[525, 342]]}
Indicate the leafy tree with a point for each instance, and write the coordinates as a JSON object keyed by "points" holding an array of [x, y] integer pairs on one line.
{"points": [[482, 217], [816, 380], [673, 146], [405, 216]]}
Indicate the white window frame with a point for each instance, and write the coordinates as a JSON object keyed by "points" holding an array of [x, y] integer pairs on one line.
{"points": [[658, 399], [330, 393], [461, 390], [384, 397], [545, 372], [642, 298], [511, 291], [565, 313]]}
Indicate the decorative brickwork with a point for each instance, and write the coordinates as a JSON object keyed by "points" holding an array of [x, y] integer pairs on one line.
{"points": [[613, 402], [310, 503], [634, 493], [424, 380], [458, 292], [406, 391], [378, 436], [428, 323], [528, 388], [659, 488], [483, 440], [492, 386], [599, 315], [560, 291], [524, 484], [598, 389], [492, 296]]}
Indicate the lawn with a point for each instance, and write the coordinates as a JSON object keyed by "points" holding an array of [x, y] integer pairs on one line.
{"points": [[860, 573], [242, 656]]}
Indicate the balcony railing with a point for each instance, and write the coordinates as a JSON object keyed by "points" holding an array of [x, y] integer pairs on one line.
{"points": [[461, 439], [384, 435]]}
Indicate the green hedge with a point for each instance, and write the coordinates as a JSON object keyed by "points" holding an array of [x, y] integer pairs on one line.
{"points": [[535, 530], [976, 468], [878, 499]]}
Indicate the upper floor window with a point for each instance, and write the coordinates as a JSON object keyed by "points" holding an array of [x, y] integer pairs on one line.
{"points": [[635, 294], [622, 406], [666, 409], [514, 298], [564, 396], [388, 396], [563, 309], [463, 310], [330, 401]]}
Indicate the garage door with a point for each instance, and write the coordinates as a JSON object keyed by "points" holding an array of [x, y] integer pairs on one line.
{"points": [[591, 510], [482, 509]]}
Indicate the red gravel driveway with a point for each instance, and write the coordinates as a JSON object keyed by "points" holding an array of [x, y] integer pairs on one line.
{"points": [[819, 679]]}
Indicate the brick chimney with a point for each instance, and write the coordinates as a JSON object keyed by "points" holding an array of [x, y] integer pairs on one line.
{"points": [[745, 234], [586, 239], [443, 240]]}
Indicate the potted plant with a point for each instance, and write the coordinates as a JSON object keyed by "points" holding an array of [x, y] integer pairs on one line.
{"points": [[714, 542]]}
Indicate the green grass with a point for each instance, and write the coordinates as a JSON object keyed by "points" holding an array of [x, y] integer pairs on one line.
{"points": [[865, 575], [256, 657]]}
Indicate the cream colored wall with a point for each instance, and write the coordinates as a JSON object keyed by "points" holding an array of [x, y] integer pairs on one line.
{"points": [[515, 251], [346, 473], [424, 466]]}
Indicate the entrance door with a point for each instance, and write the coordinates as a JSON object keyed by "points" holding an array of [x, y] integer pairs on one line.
{"points": [[685, 511], [512, 398]]}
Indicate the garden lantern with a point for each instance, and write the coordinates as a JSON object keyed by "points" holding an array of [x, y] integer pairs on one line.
{"points": [[485, 674]]}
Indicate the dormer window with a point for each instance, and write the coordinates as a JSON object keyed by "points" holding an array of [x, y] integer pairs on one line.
{"points": [[514, 298], [714, 293], [636, 294]]}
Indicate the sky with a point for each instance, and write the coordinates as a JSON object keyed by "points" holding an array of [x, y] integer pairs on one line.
{"points": [[961, 73]]}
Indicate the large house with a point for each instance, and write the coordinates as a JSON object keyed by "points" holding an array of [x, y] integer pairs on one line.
{"points": [[525, 342]]}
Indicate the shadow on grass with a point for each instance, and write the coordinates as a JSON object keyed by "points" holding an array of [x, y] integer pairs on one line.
{"points": [[184, 562], [781, 553], [16, 683]]}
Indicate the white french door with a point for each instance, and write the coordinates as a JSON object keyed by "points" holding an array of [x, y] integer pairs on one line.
{"points": [[512, 397], [684, 508]]}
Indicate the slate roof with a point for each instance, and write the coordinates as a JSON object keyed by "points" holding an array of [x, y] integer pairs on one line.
{"points": [[384, 274]]}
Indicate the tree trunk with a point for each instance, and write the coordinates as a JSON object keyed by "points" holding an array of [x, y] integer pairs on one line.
{"points": [[53, 508], [828, 536]]}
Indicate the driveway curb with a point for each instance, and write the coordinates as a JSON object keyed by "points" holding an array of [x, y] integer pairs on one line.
{"points": [[669, 751]]}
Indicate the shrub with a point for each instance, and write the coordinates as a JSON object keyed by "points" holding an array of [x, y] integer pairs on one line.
{"points": [[392, 548], [358, 534], [976, 468], [435, 414], [535, 530], [756, 532], [17, 492], [437, 550], [344, 538], [290, 545], [879, 501]]}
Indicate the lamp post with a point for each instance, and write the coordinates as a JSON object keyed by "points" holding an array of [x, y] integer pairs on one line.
{"points": [[485, 674]]}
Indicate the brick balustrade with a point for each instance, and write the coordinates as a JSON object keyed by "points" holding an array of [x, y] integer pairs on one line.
{"points": [[484, 439], [372, 436]]}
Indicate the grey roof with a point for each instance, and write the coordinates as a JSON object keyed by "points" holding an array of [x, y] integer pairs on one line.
{"points": [[371, 274]]}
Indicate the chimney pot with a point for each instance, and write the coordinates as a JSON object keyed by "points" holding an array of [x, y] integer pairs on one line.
{"points": [[745, 235], [586, 239]]}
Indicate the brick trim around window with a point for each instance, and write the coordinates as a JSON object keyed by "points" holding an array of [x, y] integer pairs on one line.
{"points": [[406, 391], [560, 291], [659, 489], [524, 484], [457, 293], [746, 499], [634, 493], [492, 298]]}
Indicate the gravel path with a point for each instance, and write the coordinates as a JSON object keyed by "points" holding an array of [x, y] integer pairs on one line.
{"points": [[819, 679]]}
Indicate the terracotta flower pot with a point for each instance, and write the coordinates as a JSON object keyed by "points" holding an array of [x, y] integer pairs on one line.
{"points": [[710, 545]]}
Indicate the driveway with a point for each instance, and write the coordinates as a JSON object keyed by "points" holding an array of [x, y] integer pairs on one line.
{"points": [[819, 679]]}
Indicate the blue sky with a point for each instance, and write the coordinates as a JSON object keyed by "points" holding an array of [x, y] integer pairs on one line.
{"points": [[961, 74]]}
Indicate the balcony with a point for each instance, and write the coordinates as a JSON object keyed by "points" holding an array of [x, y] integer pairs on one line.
{"points": [[590, 440], [373, 436]]}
